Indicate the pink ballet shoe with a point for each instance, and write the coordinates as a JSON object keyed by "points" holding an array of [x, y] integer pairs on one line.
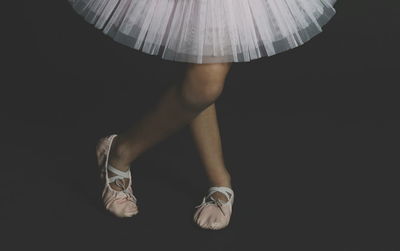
{"points": [[120, 203], [213, 213]]}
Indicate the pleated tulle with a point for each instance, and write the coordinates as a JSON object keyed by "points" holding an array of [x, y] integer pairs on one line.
{"points": [[208, 31]]}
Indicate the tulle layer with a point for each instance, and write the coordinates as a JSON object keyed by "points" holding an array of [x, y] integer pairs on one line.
{"points": [[208, 31]]}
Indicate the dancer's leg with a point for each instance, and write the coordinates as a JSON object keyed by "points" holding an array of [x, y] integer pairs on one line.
{"points": [[202, 85], [205, 131]]}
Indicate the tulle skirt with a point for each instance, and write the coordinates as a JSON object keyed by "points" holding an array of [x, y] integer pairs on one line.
{"points": [[208, 31]]}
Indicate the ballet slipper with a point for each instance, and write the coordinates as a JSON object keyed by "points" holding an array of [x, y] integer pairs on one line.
{"points": [[213, 213], [119, 203]]}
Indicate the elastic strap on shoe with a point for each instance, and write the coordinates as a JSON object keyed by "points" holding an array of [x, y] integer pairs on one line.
{"points": [[228, 192], [119, 174]]}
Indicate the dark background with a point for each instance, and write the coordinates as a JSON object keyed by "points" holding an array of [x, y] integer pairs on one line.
{"points": [[311, 137]]}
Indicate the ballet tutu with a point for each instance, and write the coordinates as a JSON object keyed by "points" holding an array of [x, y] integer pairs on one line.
{"points": [[208, 31]]}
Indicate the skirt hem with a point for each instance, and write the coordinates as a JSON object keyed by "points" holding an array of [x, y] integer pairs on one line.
{"points": [[263, 49]]}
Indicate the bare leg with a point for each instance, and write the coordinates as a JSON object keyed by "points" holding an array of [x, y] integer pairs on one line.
{"points": [[205, 131], [202, 85]]}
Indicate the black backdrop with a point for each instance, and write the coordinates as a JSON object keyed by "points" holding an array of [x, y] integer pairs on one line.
{"points": [[310, 137]]}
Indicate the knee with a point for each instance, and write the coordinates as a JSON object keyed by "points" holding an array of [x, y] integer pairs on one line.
{"points": [[203, 84]]}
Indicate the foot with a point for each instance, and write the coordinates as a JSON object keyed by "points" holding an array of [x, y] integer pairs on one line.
{"points": [[120, 201], [216, 209], [114, 162]]}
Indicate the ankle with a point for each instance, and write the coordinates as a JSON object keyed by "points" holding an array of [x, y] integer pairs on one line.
{"points": [[119, 155], [222, 180], [222, 184]]}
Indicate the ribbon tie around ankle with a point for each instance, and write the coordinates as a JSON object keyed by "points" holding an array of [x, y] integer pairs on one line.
{"points": [[119, 181], [214, 201]]}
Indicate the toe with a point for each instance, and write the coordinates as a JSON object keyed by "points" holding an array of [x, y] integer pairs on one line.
{"points": [[123, 209], [209, 218]]}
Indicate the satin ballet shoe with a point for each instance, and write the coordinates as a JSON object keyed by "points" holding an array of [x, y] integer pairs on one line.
{"points": [[213, 213], [120, 203]]}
